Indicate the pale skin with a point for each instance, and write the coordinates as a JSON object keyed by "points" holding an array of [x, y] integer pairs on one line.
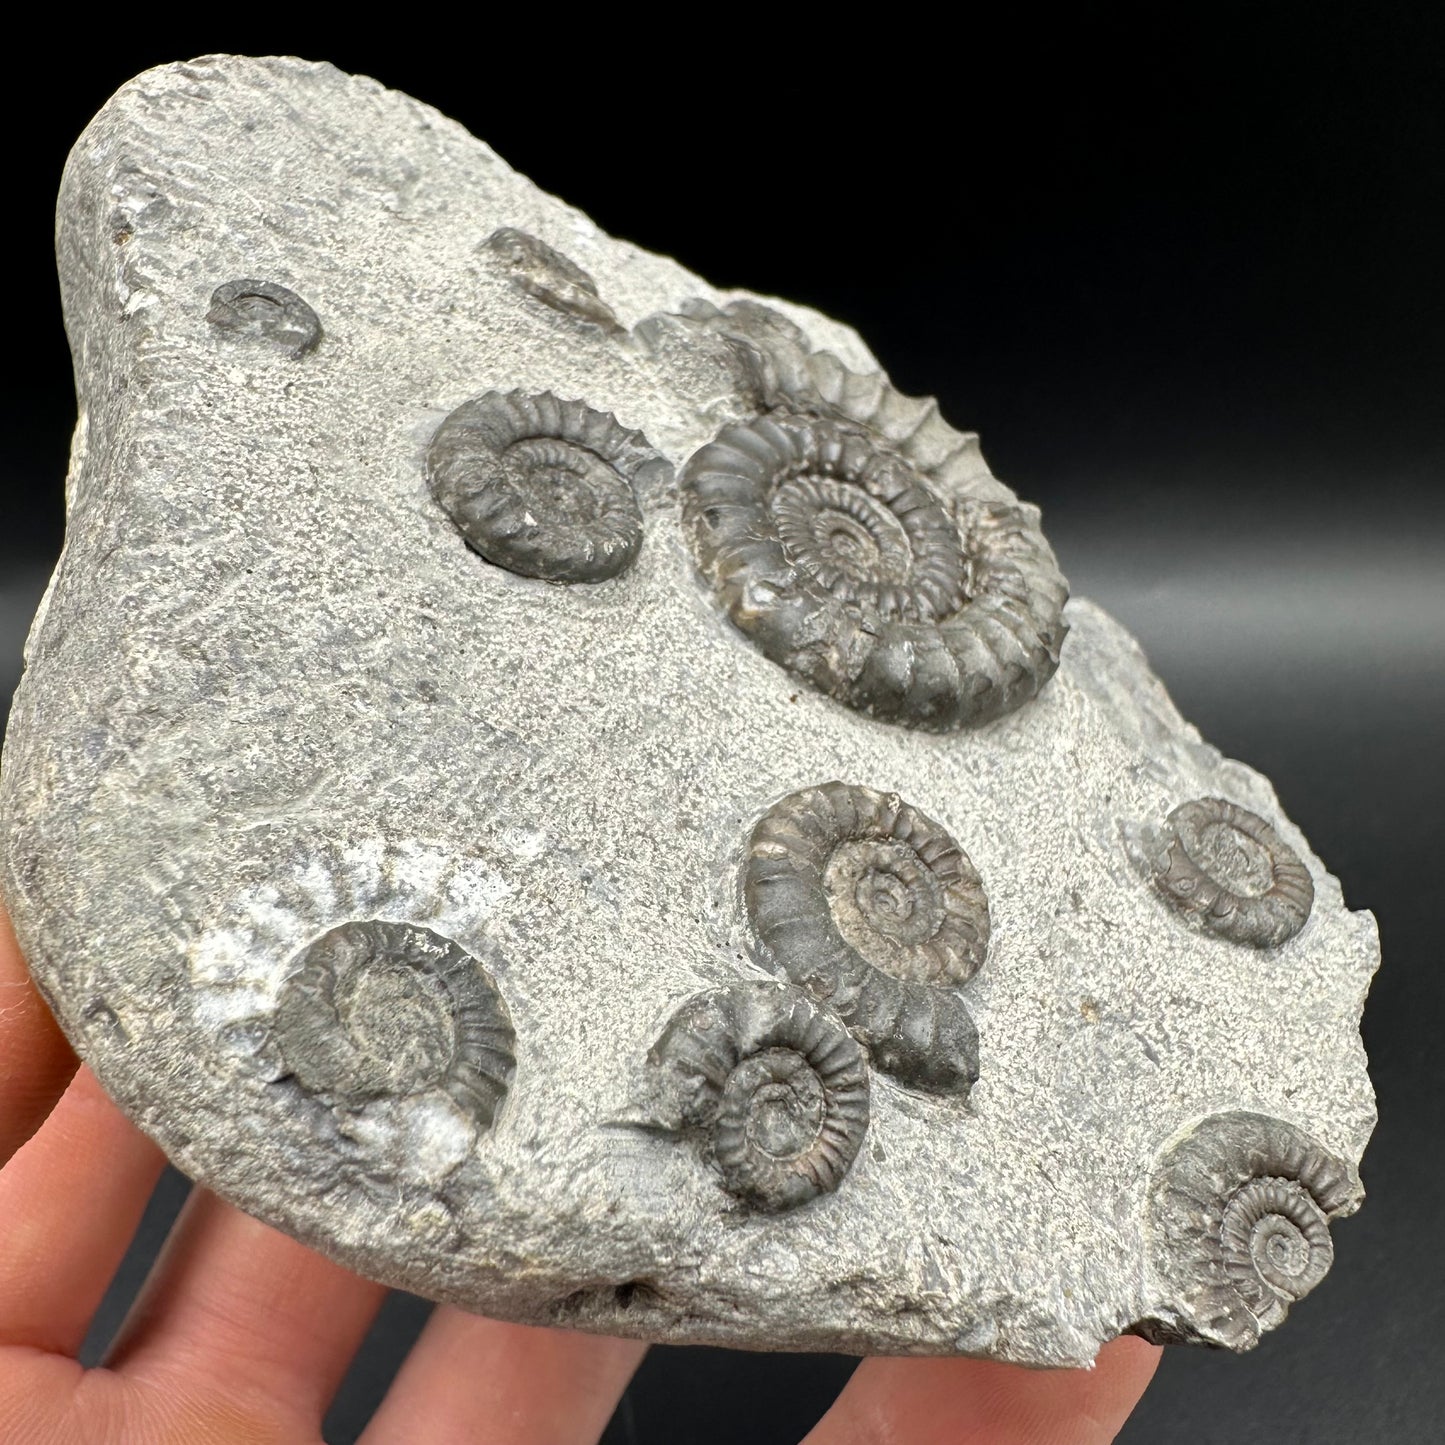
{"points": [[241, 1335]]}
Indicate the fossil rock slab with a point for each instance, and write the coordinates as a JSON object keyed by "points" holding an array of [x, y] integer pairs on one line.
{"points": [[564, 790]]}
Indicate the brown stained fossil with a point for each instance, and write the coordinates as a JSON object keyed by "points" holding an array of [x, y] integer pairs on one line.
{"points": [[878, 913], [549, 277], [1226, 869], [381, 1010], [264, 311], [1240, 1210], [541, 486], [846, 557], [777, 1086]]}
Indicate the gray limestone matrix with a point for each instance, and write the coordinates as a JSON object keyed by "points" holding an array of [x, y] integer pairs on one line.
{"points": [[564, 790]]}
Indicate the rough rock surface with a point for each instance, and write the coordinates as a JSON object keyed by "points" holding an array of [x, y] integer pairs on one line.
{"points": [[367, 872]]}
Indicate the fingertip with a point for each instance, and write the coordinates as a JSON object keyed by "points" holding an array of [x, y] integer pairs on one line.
{"points": [[36, 1062]]}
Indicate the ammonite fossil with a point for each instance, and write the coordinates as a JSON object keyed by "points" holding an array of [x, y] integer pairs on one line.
{"points": [[1240, 1215], [1224, 867], [777, 1084], [548, 276], [849, 561], [264, 311], [376, 1010], [877, 912], [541, 486]]}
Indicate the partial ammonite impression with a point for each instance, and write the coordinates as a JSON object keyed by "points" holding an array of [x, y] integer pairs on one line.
{"points": [[264, 311], [875, 910], [1240, 1211], [1225, 868], [778, 1087], [843, 558], [548, 276], [541, 486], [382, 1010]]}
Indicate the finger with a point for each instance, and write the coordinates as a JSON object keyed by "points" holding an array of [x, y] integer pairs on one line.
{"points": [[982, 1402], [476, 1379], [70, 1201], [256, 1314], [36, 1063]]}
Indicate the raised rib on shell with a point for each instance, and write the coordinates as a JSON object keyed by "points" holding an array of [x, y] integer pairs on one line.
{"points": [[874, 909], [1225, 868], [1239, 1222], [541, 486], [835, 552], [382, 1010], [778, 1086]]}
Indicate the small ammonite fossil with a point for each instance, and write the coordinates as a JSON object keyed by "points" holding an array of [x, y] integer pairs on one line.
{"points": [[1240, 1210], [777, 1085], [1225, 868], [548, 276], [381, 1010], [874, 909], [541, 486], [841, 560], [264, 311]]}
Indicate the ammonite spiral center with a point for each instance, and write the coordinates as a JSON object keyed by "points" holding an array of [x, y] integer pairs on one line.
{"points": [[401, 1025], [867, 530], [559, 482], [882, 887], [1234, 859], [377, 1009], [1275, 1228], [783, 1100]]}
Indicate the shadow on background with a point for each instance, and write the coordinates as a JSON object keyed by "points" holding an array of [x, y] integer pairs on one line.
{"points": [[1185, 280]]}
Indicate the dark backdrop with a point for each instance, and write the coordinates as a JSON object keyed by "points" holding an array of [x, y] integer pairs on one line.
{"points": [[1185, 277]]}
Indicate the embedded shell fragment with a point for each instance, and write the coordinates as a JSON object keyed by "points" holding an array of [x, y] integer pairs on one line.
{"points": [[402, 853]]}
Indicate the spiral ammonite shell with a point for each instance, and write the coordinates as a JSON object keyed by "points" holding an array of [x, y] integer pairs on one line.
{"points": [[541, 486], [836, 555], [1224, 867], [1240, 1211], [376, 1010], [779, 1086], [264, 311], [874, 909]]}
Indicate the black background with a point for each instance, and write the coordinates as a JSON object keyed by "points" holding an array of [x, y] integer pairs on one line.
{"points": [[1184, 274]]}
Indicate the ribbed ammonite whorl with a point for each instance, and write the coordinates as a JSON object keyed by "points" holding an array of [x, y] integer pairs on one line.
{"points": [[377, 1010], [541, 486], [837, 557], [877, 912], [1240, 1215], [1227, 869], [779, 1086]]}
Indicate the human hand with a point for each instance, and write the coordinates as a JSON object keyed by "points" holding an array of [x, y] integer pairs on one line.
{"points": [[241, 1335]]}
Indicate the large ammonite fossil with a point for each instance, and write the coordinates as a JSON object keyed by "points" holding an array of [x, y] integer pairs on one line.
{"points": [[1240, 1215], [1224, 867], [541, 486], [847, 559], [876, 911], [382, 1010], [777, 1085]]}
